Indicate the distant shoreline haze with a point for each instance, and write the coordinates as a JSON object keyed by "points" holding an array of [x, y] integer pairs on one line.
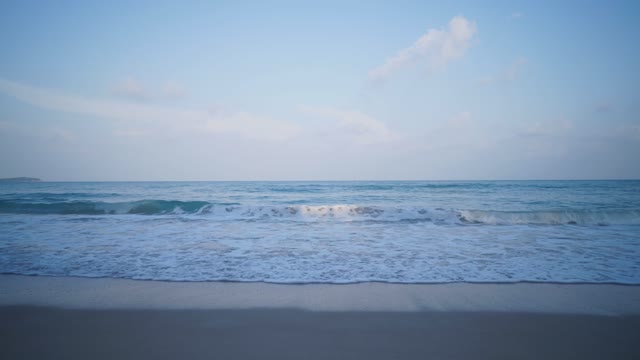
{"points": [[20, 179]]}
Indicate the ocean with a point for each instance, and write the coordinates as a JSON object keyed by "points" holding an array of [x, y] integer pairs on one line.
{"points": [[325, 232]]}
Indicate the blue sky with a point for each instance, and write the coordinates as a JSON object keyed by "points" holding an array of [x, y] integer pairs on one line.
{"points": [[332, 90]]}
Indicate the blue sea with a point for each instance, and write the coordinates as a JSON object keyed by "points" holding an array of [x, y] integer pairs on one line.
{"points": [[327, 232]]}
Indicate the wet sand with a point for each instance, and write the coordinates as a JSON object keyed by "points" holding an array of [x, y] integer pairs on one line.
{"points": [[50, 333], [74, 318]]}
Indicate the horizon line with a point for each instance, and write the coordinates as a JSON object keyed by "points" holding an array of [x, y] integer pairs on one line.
{"points": [[341, 180]]}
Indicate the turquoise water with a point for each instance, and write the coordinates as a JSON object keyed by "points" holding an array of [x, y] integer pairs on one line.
{"points": [[338, 232]]}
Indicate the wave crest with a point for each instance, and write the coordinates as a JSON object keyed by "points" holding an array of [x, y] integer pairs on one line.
{"points": [[569, 217], [346, 212], [142, 207]]}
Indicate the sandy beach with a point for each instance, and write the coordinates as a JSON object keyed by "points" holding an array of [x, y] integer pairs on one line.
{"points": [[79, 318]]}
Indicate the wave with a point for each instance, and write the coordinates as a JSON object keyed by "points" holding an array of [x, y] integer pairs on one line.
{"points": [[569, 217], [141, 207], [346, 212]]}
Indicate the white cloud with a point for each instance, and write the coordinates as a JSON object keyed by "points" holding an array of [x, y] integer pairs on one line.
{"points": [[173, 90], [360, 127], [132, 89], [169, 118], [516, 15], [510, 73], [128, 132], [53, 100], [436, 47], [550, 128], [46, 133], [252, 126]]}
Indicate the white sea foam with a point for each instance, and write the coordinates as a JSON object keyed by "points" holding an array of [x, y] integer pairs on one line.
{"points": [[330, 212], [573, 217], [195, 248], [338, 212], [331, 232]]}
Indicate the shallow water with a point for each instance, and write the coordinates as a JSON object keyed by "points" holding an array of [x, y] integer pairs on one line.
{"points": [[488, 231]]}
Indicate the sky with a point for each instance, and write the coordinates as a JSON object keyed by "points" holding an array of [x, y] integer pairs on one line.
{"points": [[319, 90]]}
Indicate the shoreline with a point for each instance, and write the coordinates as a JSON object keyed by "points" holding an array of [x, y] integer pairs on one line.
{"points": [[356, 282], [101, 318], [523, 297]]}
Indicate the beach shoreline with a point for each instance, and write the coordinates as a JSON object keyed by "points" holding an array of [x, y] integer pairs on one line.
{"points": [[108, 293], [80, 318]]}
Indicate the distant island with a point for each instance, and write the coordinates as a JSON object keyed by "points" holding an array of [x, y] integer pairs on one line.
{"points": [[20, 179]]}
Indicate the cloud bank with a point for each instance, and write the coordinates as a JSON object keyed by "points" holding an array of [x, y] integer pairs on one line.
{"points": [[359, 127], [132, 89], [147, 117], [139, 119], [436, 48]]}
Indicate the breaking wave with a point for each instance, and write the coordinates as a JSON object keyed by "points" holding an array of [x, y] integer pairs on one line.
{"points": [[345, 212], [142, 207], [570, 217]]}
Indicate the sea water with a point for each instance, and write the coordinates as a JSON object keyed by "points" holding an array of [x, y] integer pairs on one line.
{"points": [[333, 232]]}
